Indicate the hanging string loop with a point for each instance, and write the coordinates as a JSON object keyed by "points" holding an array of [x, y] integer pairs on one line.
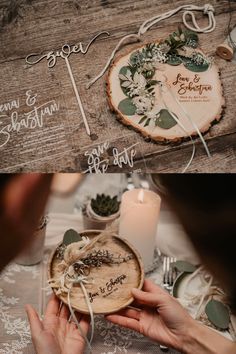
{"points": [[207, 9]]}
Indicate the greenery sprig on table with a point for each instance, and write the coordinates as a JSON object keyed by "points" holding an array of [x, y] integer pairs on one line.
{"points": [[217, 312], [137, 78]]}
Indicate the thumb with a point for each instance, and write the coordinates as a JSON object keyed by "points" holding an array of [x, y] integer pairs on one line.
{"points": [[149, 299], [36, 325]]}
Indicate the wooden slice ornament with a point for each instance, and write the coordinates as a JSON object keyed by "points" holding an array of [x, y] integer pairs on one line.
{"points": [[168, 90], [112, 267]]}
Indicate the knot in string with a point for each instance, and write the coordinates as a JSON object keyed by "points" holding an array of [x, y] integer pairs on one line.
{"points": [[208, 8]]}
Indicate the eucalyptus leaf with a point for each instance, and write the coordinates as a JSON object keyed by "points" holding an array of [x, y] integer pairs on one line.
{"points": [[123, 79], [142, 120], [125, 90], [71, 236], [125, 84], [153, 82], [196, 68], [218, 314], [147, 122], [124, 69], [165, 120], [137, 58], [149, 74], [192, 39], [127, 107], [174, 60], [183, 266]]}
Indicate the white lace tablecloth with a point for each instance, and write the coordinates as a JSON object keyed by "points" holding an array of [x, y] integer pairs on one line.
{"points": [[21, 285]]}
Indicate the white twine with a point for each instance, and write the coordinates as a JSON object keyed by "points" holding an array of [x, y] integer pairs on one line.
{"points": [[192, 122], [136, 36], [81, 280], [207, 9], [183, 128]]}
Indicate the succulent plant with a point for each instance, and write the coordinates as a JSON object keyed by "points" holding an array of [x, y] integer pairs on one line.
{"points": [[104, 205]]}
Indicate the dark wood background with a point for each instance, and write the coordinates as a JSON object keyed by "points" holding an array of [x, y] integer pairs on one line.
{"points": [[35, 26]]}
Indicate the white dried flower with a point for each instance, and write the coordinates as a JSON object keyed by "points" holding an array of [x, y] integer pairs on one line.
{"points": [[159, 56], [200, 59], [148, 67], [152, 115], [136, 86], [143, 104]]}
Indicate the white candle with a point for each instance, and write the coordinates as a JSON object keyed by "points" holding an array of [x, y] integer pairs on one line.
{"points": [[139, 214]]}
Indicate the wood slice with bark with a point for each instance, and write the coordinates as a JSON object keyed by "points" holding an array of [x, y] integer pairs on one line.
{"points": [[182, 92]]}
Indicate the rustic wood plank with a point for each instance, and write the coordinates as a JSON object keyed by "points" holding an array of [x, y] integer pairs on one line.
{"points": [[43, 25], [223, 158]]}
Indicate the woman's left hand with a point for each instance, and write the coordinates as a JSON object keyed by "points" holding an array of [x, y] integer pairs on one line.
{"points": [[55, 334]]}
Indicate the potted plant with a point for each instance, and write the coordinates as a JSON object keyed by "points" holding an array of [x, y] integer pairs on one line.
{"points": [[100, 212]]}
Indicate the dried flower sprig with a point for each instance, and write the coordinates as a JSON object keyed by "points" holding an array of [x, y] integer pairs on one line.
{"points": [[96, 259]]}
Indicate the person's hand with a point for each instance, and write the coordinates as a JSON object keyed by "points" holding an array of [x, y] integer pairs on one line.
{"points": [[160, 317], [22, 203], [54, 334]]}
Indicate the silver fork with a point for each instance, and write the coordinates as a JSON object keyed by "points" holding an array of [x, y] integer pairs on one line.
{"points": [[169, 276]]}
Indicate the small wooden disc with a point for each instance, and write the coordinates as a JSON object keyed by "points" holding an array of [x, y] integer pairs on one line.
{"points": [[225, 51], [112, 284]]}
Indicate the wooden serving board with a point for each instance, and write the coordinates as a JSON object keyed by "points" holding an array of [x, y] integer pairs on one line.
{"points": [[111, 288], [200, 94]]}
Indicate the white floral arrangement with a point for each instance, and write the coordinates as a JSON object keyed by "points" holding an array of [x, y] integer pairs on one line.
{"points": [[137, 79]]}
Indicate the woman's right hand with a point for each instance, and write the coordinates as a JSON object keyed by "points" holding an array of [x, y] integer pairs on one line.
{"points": [[161, 318]]}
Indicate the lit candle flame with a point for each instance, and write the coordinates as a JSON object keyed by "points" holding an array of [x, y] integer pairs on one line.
{"points": [[141, 196]]}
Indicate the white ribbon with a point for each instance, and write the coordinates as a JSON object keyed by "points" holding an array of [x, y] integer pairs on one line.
{"points": [[192, 122], [183, 128], [207, 9], [81, 280]]}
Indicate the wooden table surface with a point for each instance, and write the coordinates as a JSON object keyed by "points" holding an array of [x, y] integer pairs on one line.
{"points": [[39, 26]]}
